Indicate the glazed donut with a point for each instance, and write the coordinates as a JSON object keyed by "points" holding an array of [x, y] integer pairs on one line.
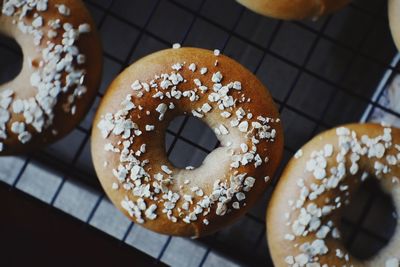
{"points": [[128, 146], [61, 70], [306, 206], [294, 9], [394, 20]]}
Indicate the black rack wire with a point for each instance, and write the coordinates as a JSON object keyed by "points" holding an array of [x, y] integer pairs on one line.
{"points": [[343, 97]]}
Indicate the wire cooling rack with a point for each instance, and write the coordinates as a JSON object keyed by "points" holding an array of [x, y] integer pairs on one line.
{"points": [[321, 74]]}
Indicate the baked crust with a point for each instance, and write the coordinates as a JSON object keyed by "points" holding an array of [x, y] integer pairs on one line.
{"points": [[294, 9], [282, 213], [66, 114], [217, 163]]}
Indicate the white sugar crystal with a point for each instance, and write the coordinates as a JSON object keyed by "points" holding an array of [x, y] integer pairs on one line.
{"points": [[6, 93], [63, 10], [225, 114], [24, 137], [206, 108], [354, 168], [192, 67], [199, 192], [249, 181], [323, 232], [136, 85], [328, 150], [84, 28], [237, 85], [319, 173], [297, 228], [197, 114], [213, 97], [41, 5], [243, 126], [298, 154], [301, 259], [203, 88], [141, 204], [149, 213], [311, 165], [81, 59], [289, 237], [177, 66], [223, 130], [161, 108], [240, 196], [244, 147], [289, 260], [38, 22], [339, 253], [5, 102], [319, 247], [335, 233], [391, 160], [149, 128], [342, 131], [166, 169], [217, 77], [221, 209], [67, 26], [379, 150], [115, 186], [17, 127], [176, 46], [203, 71]]}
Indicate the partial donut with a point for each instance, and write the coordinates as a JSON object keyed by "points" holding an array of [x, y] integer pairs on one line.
{"points": [[129, 151], [294, 9], [61, 71], [306, 206], [394, 20]]}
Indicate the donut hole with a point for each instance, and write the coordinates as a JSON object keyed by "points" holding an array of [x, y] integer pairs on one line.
{"points": [[11, 59], [188, 141], [369, 221]]}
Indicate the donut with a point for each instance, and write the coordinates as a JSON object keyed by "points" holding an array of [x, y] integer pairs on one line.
{"points": [[60, 75], [394, 20], [128, 145], [319, 181], [294, 9]]}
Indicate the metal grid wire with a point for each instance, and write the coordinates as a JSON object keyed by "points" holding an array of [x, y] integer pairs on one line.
{"points": [[321, 74]]}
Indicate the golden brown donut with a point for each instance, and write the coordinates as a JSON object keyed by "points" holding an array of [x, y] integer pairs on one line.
{"points": [[61, 71], [294, 9], [128, 141], [394, 20], [306, 206]]}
